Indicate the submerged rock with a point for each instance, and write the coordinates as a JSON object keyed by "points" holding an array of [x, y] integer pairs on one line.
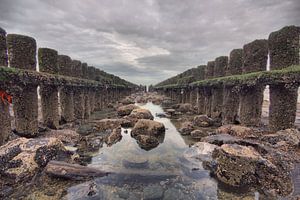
{"points": [[141, 113], [148, 127], [126, 110], [186, 128], [153, 192], [202, 121], [21, 159], [201, 151], [147, 142], [199, 133], [220, 139], [114, 137]]}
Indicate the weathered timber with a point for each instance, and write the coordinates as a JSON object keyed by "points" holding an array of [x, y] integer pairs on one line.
{"points": [[72, 171]]}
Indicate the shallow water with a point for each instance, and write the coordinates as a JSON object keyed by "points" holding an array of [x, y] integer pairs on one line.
{"points": [[160, 173]]}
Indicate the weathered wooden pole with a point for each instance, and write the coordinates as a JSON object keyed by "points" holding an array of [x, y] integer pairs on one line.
{"points": [[49, 94], [22, 55], [255, 56], [66, 94], [284, 52], [217, 92], [209, 73], [5, 125], [231, 97]]}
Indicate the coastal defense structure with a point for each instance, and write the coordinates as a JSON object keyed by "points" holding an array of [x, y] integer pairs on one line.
{"points": [[230, 89], [69, 90]]}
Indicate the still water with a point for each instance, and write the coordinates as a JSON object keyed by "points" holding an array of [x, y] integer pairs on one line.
{"points": [[165, 172]]}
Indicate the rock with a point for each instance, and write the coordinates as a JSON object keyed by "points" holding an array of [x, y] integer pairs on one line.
{"points": [[136, 163], [86, 129], [220, 139], [127, 101], [106, 124], [202, 121], [114, 137], [185, 107], [94, 144], [288, 138], [141, 113], [20, 159], [128, 121], [186, 128], [67, 136], [147, 142], [201, 151], [152, 192], [199, 133], [148, 127], [141, 99], [161, 115], [126, 110], [157, 100], [239, 165], [171, 111], [239, 131]]}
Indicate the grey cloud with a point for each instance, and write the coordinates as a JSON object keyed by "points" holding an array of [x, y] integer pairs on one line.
{"points": [[146, 41]]}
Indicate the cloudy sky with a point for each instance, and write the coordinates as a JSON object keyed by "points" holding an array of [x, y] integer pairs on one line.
{"points": [[146, 41]]}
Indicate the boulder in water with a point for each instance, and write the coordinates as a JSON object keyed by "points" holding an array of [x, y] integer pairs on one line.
{"points": [[141, 113], [147, 142], [148, 127], [202, 121], [126, 110]]}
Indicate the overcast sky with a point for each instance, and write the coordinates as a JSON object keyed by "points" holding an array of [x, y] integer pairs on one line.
{"points": [[146, 41]]}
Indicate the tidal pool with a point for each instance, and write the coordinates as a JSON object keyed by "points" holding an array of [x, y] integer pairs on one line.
{"points": [[160, 173]]}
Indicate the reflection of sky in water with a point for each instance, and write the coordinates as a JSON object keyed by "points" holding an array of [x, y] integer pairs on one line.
{"points": [[127, 149], [166, 164]]}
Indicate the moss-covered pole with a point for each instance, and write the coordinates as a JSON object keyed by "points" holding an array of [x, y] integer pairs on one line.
{"points": [[217, 92], [79, 96], [5, 119], [284, 51], [22, 55], [231, 97], [209, 73], [66, 94], [200, 91], [49, 94], [255, 56]]}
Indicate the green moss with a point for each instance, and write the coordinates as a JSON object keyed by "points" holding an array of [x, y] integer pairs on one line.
{"points": [[287, 75]]}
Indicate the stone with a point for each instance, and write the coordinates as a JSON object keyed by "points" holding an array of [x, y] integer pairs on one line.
{"points": [[20, 159], [127, 101], [105, 124], [201, 151], [186, 128], [202, 121], [141, 114], [290, 137], [220, 139], [86, 129], [239, 131], [148, 127], [114, 137], [126, 110], [67, 136], [153, 192], [199, 133], [239, 165], [185, 107], [171, 111], [147, 142]]}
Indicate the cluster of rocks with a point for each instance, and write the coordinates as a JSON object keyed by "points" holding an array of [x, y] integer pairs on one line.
{"points": [[242, 156]]}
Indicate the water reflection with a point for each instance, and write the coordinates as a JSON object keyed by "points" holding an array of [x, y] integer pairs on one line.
{"points": [[159, 173]]}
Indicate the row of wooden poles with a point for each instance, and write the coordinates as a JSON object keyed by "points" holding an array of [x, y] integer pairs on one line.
{"points": [[58, 102], [228, 103]]}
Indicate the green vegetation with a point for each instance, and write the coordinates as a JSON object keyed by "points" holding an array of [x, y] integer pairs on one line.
{"points": [[287, 75]]}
